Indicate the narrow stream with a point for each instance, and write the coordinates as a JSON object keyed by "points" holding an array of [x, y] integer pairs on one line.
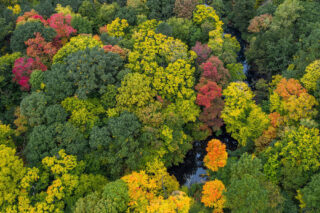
{"points": [[192, 169]]}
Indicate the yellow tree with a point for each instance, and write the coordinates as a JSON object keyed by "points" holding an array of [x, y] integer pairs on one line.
{"points": [[150, 187], [243, 118], [311, 76]]}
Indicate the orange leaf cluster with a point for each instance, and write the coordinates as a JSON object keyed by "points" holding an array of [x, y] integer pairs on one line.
{"points": [[217, 155], [212, 195], [287, 88], [31, 16], [38, 47], [265, 139], [115, 49], [103, 29], [276, 119]]}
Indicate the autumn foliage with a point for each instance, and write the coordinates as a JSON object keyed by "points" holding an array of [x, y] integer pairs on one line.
{"points": [[214, 76], [62, 24], [203, 52], [214, 70], [38, 47], [216, 155], [287, 88], [212, 195], [115, 49], [31, 16], [207, 93], [23, 68], [184, 8]]}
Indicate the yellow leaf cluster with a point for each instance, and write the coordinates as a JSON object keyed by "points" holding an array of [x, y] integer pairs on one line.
{"points": [[147, 188], [61, 165], [84, 113], [117, 27], [204, 13], [244, 119], [16, 9], [178, 202], [65, 10], [311, 76], [75, 44]]}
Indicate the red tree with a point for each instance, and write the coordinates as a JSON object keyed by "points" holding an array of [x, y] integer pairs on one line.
{"points": [[214, 70], [22, 69], [209, 96], [62, 24], [208, 91], [38, 47]]}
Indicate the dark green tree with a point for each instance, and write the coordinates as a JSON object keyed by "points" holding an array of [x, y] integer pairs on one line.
{"points": [[117, 144], [160, 9], [92, 70], [26, 31], [242, 12], [48, 140], [81, 24], [57, 84], [55, 113], [127, 13], [10, 93], [33, 108]]}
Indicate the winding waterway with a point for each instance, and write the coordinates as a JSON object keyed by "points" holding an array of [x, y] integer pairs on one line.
{"points": [[192, 169]]}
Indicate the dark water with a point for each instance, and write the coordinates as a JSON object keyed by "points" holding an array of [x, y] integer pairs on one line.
{"points": [[192, 169]]}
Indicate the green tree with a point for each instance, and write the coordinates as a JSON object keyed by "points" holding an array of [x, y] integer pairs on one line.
{"points": [[90, 79], [296, 151], [48, 140], [116, 196], [310, 195], [58, 85], [160, 9], [23, 32], [127, 13], [33, 108], [242, 12], [90, 203], [55, 113], [249, 190], [81, 24], [10, 92], [116, 146]]}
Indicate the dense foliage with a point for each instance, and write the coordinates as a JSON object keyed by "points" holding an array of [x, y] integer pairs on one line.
{"points": [[100, 100]]}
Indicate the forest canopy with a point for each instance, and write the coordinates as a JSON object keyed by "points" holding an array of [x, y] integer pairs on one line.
{"points": [[102, 100]]}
